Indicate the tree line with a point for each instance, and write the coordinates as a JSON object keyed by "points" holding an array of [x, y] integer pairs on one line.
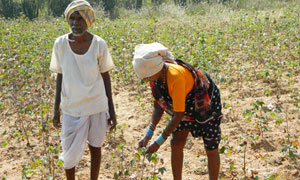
{"points": [[33, 8]]}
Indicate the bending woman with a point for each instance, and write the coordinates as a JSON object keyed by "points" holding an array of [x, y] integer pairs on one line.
{"points": [[189, 96]]}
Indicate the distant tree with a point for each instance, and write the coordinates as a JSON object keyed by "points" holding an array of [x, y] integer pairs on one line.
{"points": [[108, 5], [196, 1], [180, 2], [57, 7], [139, 4], [31, 8], [94, 2], [156, 2], [9, 8], [128, 4], [1, 8]]}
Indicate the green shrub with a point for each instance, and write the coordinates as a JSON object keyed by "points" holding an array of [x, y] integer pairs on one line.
{"points": [[57, 7], [9, 8], [30, 8]]}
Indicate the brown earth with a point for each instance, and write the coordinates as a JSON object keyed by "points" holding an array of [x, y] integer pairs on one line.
{"points": [[263, 156]]}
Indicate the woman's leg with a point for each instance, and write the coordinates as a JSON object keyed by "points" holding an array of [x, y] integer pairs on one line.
{"points": [[95, 161], [177, 144], [213, 163]]}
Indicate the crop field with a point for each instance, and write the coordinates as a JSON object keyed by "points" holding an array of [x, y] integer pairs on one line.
{"points": [[252, 54]]}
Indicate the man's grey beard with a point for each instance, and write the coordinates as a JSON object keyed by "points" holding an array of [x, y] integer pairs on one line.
{"points": [[77, 34]]}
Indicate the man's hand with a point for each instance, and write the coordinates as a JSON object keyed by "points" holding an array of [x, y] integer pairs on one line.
{"points": [[143, 142], [112, 122], [56, 120], [153, 147]]}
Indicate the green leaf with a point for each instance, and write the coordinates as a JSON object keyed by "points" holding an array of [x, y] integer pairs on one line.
{"points": [[231, 166], [137, 156], [59, 163], [117, 174], [222, 150], [4, 144], [284, 149], [227, 106], [260, 102], [37, 162], [148, 156], [143, 151], [278, 108], [261, 119], [272, 114], [162, 170], [126, 172], [17, 134], [131, 162], [279, 121], [229, 152], [270, 177], [292, 154], [254, 137]]}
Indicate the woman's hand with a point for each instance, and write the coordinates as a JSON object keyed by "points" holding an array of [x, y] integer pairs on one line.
{"points": [[143, 142], [153, 147]]}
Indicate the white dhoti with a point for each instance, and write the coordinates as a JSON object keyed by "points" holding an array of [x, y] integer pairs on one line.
{"points": [[77, 131]]}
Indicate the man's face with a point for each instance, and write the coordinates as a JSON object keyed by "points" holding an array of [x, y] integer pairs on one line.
{"points": [[77, 24]]}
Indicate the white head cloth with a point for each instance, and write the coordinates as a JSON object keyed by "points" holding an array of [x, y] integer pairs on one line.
{"points": [[149, 59]]}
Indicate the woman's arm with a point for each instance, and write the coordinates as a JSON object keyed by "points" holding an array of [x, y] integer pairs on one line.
{"points": [[173, 123], [107, 83], [156, 116], [167, 131]]}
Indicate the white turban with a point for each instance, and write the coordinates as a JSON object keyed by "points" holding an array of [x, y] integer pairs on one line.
{"points": [[149, 59]]}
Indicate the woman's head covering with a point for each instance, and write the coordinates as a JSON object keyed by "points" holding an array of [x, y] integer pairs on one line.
{"points": [[85, 10], [149, 59]]}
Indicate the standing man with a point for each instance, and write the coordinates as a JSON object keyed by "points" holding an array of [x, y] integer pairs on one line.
{"points": [[83, 89]]}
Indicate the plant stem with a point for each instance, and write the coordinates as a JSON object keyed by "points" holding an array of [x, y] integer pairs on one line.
{"points": [[24, 129], [245, 162], [143, 163], [154, 171]]}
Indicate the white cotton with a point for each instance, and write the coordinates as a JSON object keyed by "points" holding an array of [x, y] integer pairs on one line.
{"points": [[270, 106], [77, 131]]}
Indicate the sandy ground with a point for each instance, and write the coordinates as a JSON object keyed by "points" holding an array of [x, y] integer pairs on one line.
{"points": [[262, 156]]}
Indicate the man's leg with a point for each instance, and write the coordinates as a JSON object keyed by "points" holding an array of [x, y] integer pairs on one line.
{"points": [[177, 144], [70, 173], [72, 139], [213, 163], [95, 161]]}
